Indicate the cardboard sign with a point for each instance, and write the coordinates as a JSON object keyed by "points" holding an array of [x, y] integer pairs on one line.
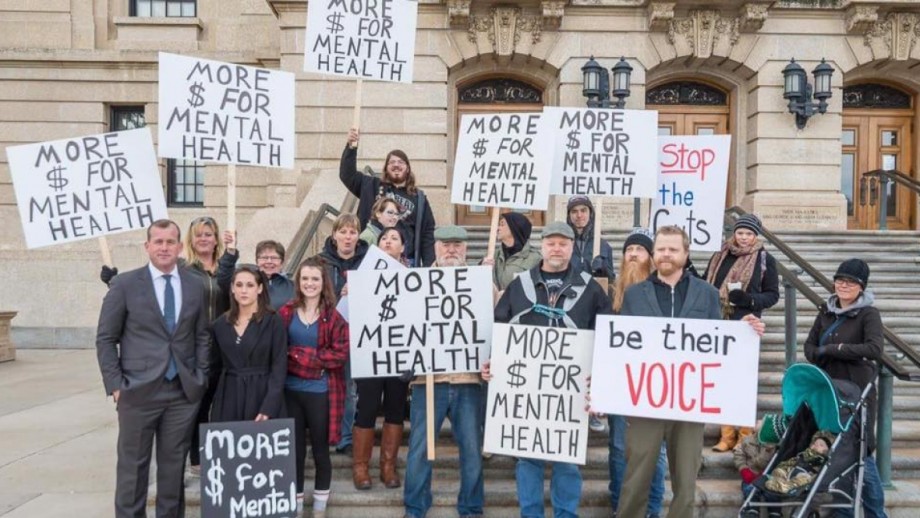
{"points": [[86, 187], [374, 259], [499, 162], [213, 111], [692, 182], [602, 152], [427, 320], [536, 405], [247, 469], [365, 39], [702, 371]]}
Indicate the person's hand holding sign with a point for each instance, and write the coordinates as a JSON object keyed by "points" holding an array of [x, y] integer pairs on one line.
{"points": [[353, 137], [485, 371], [756, 324], [261, 417]]}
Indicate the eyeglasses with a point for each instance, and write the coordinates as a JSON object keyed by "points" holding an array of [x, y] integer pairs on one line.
{"points": [[849, 283], [391, 212], [269, 258]]}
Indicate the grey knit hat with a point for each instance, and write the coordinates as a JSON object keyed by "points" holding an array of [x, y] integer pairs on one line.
{"points": [[750, 222]]}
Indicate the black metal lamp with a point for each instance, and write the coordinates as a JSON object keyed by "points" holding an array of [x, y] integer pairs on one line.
{"points": [[595, 86], [622, 72], [799, 93]]}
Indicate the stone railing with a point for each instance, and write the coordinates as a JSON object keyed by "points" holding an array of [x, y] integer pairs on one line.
{"points": [[7, 349]]}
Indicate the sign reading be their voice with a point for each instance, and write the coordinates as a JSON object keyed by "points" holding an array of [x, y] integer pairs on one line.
{"points": [[702, 371]]}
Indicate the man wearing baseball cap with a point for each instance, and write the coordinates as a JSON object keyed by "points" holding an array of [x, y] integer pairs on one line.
{"points": [[538, 297]]}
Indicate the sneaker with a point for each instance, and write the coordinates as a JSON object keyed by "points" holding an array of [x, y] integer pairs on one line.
{"points": [[596, 424]]}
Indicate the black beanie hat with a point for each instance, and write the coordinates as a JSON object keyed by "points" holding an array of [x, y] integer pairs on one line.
{"points": [[642, 237], [750, 222], [854, 269], [577, 200]]}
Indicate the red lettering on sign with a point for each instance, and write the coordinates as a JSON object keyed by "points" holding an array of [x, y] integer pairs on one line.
{"points": [[703, 386], [682, 160], [679, 384]]}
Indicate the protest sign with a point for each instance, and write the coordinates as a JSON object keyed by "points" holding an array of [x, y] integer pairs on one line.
{"points": [[536, 404], [364, 39], [430, 320], [374, 259], [247, 469], [227, 113], [702, 371], [602, 152], [86, 187], [499, 164], [692, 181]]}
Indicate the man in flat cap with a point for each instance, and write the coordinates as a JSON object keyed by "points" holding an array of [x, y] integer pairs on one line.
{"points": [[457, 397], [555, 293]]}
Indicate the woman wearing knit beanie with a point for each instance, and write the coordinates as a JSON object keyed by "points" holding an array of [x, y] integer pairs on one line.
{"points": [[745, 275]]}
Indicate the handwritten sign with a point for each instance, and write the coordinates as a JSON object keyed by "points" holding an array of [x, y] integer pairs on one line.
{"points": [[366, 39], [247, 469], [428, 320], [86, 187], [499, 162], [536, 405], [222, 112], [692, 182], [374, 259], [702, 371], [602, 152]]}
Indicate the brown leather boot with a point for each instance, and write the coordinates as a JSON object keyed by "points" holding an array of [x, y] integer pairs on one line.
{"points": [[744, 432], [363, 444], [728, 440], [389, 450]]}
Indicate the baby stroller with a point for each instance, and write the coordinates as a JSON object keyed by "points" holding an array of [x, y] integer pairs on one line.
{"points": [[816, 402]]}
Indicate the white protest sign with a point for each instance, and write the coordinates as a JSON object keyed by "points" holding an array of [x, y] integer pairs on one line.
{"points": [[499, 162], [364, 39], [692, 181], [227, 113], [536, 404], [702, 371], [429, 320], [374, 259], [602, 152], [86, 187]]}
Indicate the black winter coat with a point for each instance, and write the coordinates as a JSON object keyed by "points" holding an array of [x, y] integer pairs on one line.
{"points": [[420, 245], [338, 266], [763, 288], [593, 301], [852, 350]]}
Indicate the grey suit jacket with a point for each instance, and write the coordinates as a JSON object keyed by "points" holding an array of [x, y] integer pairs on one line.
{"points": [[132, 343], [702, 301]]}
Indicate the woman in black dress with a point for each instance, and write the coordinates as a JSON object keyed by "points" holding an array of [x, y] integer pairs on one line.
{"points": [[253, 352]]}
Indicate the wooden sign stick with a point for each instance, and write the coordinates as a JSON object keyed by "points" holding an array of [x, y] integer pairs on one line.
{"points": [[356, 115], [231, 197], [106, 254]]}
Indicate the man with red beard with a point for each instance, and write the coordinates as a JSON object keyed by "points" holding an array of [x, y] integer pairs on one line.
{"points": [[635, 267], [673, 292]]}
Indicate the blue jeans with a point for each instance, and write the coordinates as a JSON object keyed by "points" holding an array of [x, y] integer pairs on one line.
{"points": [[616, 460], [873, 495], [348, 414], [461, 404], [565, 488]]}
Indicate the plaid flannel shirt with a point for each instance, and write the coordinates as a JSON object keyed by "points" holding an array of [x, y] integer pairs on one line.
{"points": [[330, 356]]}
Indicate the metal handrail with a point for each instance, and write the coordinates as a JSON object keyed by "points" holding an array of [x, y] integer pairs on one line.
{"points": [[886, 361], [885, 176]]}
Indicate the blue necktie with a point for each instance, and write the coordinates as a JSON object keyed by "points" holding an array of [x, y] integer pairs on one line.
{"points": [[169, 318]]}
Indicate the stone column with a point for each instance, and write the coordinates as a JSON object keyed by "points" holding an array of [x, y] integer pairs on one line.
{"points": [[7, 348]]}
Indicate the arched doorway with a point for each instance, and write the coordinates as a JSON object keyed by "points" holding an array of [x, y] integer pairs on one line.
{"points": [[877, 133], [690, 107], [494, 95]]}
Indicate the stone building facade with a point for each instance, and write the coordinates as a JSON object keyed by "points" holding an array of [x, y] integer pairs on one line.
{"points": [[76, 67]]}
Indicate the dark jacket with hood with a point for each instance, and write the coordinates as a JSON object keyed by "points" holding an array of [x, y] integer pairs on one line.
{"points": [[763, 288], [519, 257], [338, 266], [416, 210], [592, 302], [584, 246], [852, 348]]}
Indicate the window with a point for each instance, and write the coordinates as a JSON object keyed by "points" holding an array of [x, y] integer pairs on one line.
{"points": [[161, 8], [127, 118], [185, 181]]}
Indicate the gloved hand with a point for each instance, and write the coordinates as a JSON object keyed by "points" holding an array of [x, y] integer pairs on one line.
{"points": [[599, 267], [107, 274], [406, 376], [748, 475], [741, 299]]}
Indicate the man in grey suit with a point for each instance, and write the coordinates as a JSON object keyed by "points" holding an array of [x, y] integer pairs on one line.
{"points": [[152, 346], [671, 291]]}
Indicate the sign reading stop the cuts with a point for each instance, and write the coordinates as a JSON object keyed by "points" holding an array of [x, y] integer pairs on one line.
{"points": [[85, 187], [426, 320], [692, 180], [701, 371], [536, 404]]}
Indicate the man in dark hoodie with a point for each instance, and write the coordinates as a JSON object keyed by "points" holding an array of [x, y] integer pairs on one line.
{"points": [[398, 183], [515, 254], [580, 212]]}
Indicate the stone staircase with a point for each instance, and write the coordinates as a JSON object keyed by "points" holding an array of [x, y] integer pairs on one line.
{"points": [[894, 258]]}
